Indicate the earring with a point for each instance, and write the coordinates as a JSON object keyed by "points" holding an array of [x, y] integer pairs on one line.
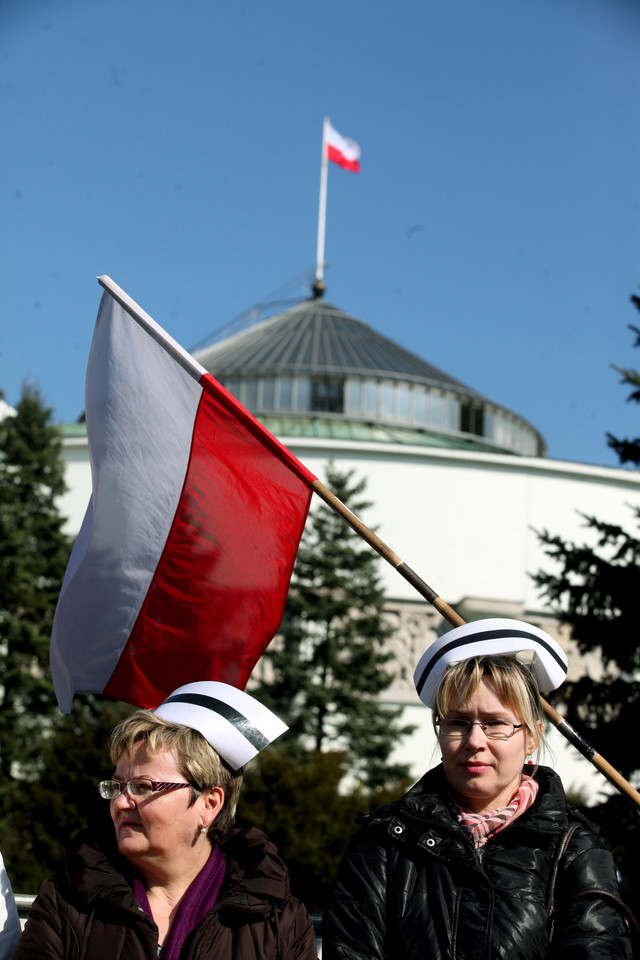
{"points": [[529, 759], [203, 829]]}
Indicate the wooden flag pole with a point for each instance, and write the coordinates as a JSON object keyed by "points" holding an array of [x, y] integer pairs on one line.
{"points": [[456, 620]]}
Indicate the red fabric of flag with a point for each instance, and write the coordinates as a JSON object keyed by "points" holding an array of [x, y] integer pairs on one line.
{"points": [[220, 586]]}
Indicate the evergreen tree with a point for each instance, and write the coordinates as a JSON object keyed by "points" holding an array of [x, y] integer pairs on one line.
{"points": [[49, 764], [33, 556], [594, 589], [63, 799], [301, 806], [629, 450], [331, 662]]}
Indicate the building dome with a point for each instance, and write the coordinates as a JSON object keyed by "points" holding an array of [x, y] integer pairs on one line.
{"points": [[317, 371]]}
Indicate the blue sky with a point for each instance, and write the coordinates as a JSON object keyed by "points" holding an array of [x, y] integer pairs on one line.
{"points": [[493, 230]]}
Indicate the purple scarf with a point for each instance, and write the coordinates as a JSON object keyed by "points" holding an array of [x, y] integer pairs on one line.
{"points": [[194, 906]]}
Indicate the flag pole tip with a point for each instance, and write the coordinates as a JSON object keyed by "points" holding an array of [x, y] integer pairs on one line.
{"points": [[318, 288]]}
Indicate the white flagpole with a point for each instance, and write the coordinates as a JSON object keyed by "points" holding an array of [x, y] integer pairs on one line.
{"points": [[322, 211]]}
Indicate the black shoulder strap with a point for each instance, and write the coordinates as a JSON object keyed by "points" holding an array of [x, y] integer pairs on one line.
{"points": [[559, 853], [587, 893]]}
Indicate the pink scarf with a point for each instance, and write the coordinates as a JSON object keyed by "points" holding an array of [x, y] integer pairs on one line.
{"points": [[481, 826]]}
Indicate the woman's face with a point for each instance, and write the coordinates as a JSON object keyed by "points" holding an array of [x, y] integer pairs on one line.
{"points": [[162, 828], [483, 773]]}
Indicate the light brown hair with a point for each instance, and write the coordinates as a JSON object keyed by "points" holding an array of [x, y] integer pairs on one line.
{"points": [[197, 761], [511, 681]]}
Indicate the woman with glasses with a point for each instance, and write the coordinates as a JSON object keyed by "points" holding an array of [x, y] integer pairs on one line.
{"points": [[463, 865], [173, 878]]}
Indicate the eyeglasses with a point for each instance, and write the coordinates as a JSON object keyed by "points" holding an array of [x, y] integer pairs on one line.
{"points": [[457, 729], [138, 787]]}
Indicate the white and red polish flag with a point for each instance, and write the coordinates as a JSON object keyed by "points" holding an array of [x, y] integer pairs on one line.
{"points": [[340, 150], [182, 565]]}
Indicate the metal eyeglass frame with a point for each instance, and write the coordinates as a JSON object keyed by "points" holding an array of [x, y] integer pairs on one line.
{"points": [[472, 723]]}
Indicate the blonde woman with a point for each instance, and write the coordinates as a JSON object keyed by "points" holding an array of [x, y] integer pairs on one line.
{"points": [[463, 865], [173, 878]]}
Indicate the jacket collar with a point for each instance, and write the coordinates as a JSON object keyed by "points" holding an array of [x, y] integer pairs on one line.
{"points": [[423, 817], [256, 877]]}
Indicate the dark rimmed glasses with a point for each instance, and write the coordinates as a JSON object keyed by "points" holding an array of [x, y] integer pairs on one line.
{"points": [[138, 787], [458, 729]]}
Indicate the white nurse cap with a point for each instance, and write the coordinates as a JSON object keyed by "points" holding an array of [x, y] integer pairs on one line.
{"points": [[495, 637], [236, 725]]}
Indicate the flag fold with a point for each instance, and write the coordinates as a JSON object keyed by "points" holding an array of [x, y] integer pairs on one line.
{"points": [[182, 565]]}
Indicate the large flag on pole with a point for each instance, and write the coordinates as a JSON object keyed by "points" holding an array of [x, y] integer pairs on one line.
{"points": [[182, 565]]}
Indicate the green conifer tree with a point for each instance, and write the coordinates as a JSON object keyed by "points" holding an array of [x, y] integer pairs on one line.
{"points": [[331, 662], [307, 814], [33, 556], [629, 450], [593, 587], [49, 764]]}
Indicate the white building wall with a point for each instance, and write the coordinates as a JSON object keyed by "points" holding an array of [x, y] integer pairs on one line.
{"points": [[465, 522], [74, 502]]}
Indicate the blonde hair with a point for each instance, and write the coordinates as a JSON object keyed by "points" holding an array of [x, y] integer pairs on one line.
{"points": [[511, 681], [197, 761]]}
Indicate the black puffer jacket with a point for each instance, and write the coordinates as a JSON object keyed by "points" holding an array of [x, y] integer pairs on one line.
{"points": [[412, 886], [89, 912]]}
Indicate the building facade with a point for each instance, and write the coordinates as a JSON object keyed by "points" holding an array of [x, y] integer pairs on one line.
{"points": [[460, 485]]}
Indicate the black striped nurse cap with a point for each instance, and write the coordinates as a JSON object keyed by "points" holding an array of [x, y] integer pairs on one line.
{"points": [[495, 637], [236, 725]]}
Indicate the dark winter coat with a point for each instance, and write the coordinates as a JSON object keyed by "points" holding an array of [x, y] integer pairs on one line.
{"points": [[89, 912], [413, 887]]}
